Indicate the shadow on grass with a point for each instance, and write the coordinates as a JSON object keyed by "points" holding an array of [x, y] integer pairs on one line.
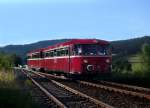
{"points": [[128, 79], [13, 98]]}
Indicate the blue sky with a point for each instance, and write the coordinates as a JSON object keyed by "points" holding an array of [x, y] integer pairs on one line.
{"points": [[28, 21]]}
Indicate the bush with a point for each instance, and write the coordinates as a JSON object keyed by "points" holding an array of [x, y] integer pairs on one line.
{"points": [[8, 61], [11, 95], [121, 66], [142, 69], [145, 58]]}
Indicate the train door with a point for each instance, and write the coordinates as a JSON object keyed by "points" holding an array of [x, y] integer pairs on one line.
{"points": [[67, 59], [62, 60], [41, 60], [69, 53]]}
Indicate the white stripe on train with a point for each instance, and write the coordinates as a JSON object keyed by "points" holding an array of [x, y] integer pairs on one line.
{"points": [[64, 57]]}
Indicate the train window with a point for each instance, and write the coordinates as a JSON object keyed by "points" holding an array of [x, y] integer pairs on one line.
{"points": [[77, 50], [67, 51], [90, 49], [63, 52], [46, 54], [55, 53], [103, 50], [33, 55], [58, 52], [28, 57], [41, 54], [72, 51], [51, 53], [36, 55]]}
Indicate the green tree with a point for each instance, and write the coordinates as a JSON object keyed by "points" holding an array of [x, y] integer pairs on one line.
{"points": [[122, 66], [145, 59], [7, 61], [16, 60]]}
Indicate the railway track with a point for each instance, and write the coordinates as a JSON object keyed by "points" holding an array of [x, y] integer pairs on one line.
{"points": [[64, 96], [43, 100], [126, 87], [45, 96], [140, 90], [115, 96]]}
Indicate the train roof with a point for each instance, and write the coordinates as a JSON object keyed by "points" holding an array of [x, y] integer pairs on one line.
{"points": [[83, 41], [71, 42]]}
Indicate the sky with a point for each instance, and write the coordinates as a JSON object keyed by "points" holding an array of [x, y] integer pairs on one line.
{"points": [[28, 21]]}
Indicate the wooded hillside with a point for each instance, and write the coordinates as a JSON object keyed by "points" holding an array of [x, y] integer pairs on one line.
{"points": [[121, 47]]}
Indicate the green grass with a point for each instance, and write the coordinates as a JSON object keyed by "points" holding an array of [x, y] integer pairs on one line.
{"points": [[11, 96], [7, 80], [139, 68]]}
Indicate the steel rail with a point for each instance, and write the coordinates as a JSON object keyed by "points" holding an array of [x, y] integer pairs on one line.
{"points": [[45, 74], [60, 104], [35, 72], [51, 76], [116, 90], [97, 102], [112, 89], [126, 86], [127, 92]]}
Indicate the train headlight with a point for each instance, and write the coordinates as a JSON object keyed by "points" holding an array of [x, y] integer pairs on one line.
{"points": [[90, 67], [107, 61], [85, 61]]}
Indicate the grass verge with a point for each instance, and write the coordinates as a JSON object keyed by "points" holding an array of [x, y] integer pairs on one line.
{"points": [[11, 96]]}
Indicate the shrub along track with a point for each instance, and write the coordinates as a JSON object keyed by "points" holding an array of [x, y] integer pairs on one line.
{"points": [[64, 96]]}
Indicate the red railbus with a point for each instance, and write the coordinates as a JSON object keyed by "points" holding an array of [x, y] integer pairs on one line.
{"points": [[74, 57]]}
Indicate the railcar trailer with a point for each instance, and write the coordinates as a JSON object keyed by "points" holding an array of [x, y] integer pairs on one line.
{"points": [[74, 57]]}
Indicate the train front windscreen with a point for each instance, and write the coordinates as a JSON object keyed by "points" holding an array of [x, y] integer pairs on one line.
{"points": [[91, 49]]}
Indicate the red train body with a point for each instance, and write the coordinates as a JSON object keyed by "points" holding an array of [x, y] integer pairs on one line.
{"points": [[77, 56]]}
